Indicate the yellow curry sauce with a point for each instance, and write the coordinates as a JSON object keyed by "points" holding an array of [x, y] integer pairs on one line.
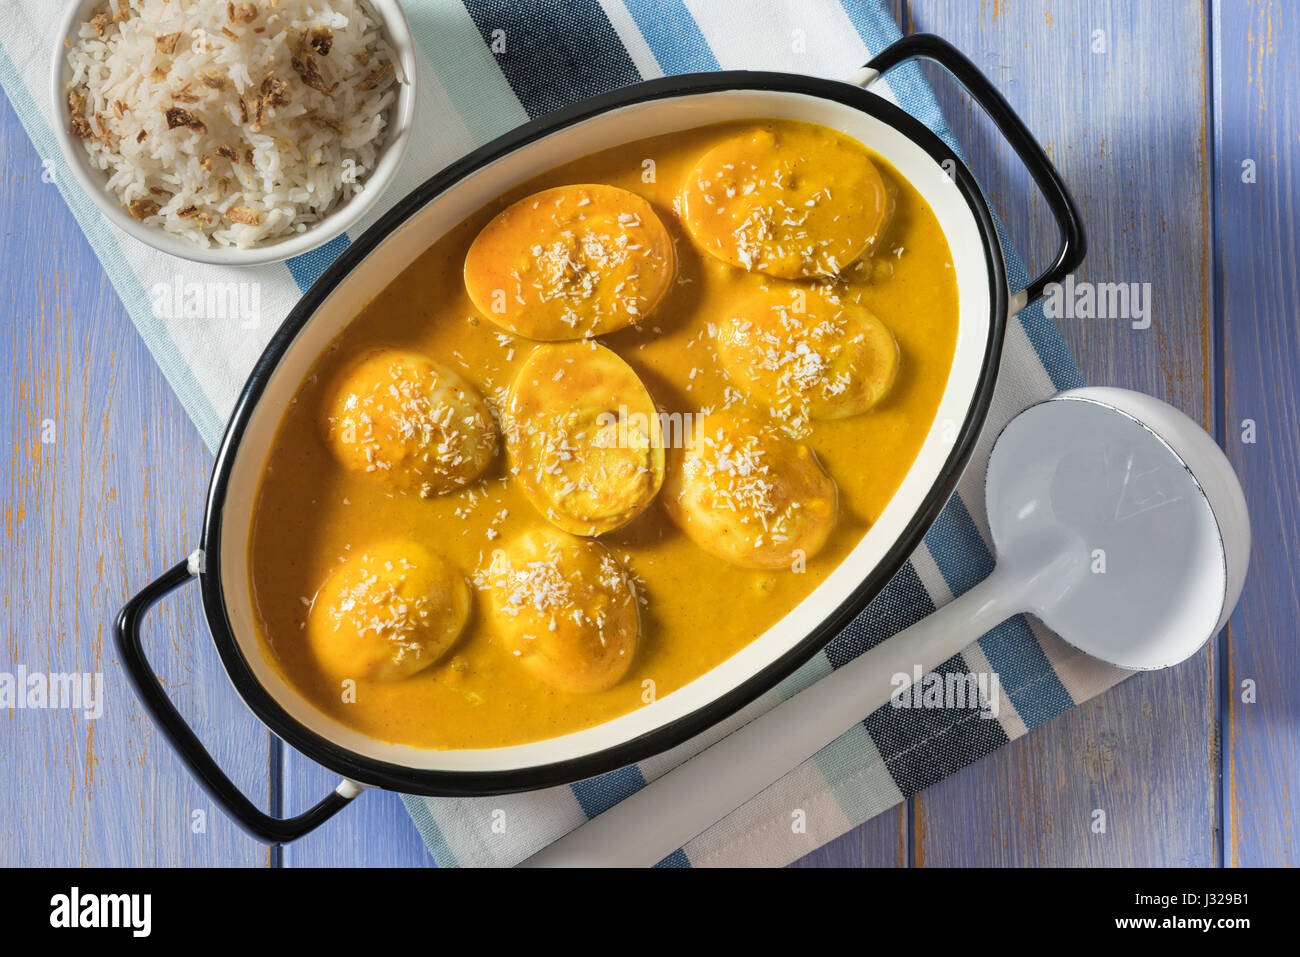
{"points": [[695, 609]]}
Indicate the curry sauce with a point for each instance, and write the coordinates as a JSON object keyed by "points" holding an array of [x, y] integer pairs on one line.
{"points": [[695, 609]]}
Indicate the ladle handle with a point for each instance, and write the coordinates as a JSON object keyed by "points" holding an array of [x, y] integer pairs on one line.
{"points": [[645, 828]]}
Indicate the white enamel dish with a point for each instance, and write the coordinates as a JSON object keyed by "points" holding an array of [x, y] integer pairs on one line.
{"points": [[376, 258]]}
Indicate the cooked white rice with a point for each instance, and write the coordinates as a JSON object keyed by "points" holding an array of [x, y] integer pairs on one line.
{"points": [[234, 124]]}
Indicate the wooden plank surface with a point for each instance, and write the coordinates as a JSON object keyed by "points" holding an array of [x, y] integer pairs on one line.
{"points": [[1126, 129], [118, 495], [1257, 128], [89, 517]]}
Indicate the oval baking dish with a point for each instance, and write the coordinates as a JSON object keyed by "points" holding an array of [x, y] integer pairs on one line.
{"points": [[372, 262]]}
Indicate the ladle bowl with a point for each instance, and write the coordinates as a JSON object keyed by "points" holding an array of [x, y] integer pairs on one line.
{"points": [[1140, 514]]}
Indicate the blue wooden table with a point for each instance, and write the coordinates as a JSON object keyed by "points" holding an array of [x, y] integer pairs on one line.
{"points": [[1177, 125]]}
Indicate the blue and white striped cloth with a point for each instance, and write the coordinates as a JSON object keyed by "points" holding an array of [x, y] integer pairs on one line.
{"points": [[555, 54]]}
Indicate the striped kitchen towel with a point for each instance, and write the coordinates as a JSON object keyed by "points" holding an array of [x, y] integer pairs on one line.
{"points": [[555, 53]]}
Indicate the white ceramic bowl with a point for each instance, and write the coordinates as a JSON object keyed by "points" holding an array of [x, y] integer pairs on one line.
{"points": [[398, 34]]}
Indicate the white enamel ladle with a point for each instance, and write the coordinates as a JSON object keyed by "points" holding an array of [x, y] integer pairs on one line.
{"points": [[1116, 521]]}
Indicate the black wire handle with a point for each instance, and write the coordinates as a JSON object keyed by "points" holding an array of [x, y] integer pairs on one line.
{"points": [[213, 780], [1074, 244]]}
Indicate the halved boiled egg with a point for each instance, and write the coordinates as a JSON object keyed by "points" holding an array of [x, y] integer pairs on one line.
{"points": [[583, 438], [807, 354], [565, 608], [388, 612], [750, 494], [410, 421], [571, 262], [788, 202]]}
